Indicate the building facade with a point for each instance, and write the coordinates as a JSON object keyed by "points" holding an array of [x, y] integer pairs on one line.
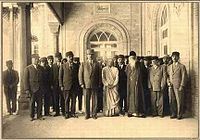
{"points": [[118, 28]]}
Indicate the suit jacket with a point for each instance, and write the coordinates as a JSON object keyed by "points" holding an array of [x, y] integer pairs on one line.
{"points": [[122, 77], [157, 78], [33, 78], [46, 77], [55, 75], [10, 78], [89, 75], [178, 77], [68, 76]]}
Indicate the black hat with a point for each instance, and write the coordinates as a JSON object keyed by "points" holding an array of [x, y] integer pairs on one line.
{"points": [[76, 59], [147, 58], [132, 53], [176, 53], [115, 56], [90, 51], [9, 62], [121, 56], [35, 56], [70, 53], [43, 59], [50, 57], [154, 58], [58, 54]]}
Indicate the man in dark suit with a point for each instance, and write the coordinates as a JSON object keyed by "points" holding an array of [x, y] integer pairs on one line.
{"points": [[46, 85], [50, 61], [89, 79], [145, 66], [68, 81], [57, 93], [10, 81], [177, 78], [33, 86], [122, 89], [80, 90], [156, 84]]}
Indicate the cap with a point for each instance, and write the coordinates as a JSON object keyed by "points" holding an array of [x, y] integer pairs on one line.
{"points": [[70, 53]]}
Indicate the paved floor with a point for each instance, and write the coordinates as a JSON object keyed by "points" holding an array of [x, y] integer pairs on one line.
{"points": [[114, 127]]}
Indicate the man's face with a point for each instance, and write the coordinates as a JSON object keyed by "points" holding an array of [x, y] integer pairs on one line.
{"points": [[110, 62], [146, 62], [57, 59], [165, 60], [154, 62], [120, 60], [50, 61], [175, 58], [70, 58], [43, 64], [90, 56], [35, 61], [10, 66]]}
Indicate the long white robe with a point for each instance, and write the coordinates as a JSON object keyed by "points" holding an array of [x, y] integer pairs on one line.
{"points": [[110, 80]]}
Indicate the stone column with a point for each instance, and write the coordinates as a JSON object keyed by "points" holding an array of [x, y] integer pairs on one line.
{"points": [[1, 47], [54, 28], [11, 45], [25, 52]]}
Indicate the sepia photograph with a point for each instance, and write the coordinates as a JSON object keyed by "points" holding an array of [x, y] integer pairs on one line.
{"points": [[99, 69]]}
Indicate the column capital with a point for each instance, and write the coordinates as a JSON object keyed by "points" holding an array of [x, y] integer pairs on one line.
{"points": [[23, 4], [54, 27]]}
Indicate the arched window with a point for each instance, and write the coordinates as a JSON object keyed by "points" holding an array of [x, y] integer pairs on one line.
{"points": [[164, 32], [104, 43], [164, 17]]}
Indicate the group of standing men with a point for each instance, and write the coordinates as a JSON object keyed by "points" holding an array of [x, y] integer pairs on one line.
{"points": [[138, 88]]}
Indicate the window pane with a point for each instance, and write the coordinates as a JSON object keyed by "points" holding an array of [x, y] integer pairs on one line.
{"points": [[112, 38], [165, 49], [94, 38], [94, 46], [103, 37]]}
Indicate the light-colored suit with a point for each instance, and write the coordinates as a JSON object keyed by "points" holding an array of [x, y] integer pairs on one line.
{"points": [[157, 82], [89, 76], [177, 77]]}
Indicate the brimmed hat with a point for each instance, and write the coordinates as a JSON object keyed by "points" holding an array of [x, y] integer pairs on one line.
{"points": [[43, 59], [9, 62], [70, 53], [58, 54], [121, 56], [50, 57], [176, 54], [35, 56]]}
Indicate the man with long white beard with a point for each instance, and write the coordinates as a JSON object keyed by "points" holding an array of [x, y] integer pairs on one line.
{"points": [[135, 94]]}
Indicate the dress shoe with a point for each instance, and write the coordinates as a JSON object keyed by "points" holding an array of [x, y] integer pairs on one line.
{"points": [[74, 116], [161, 116], [172, 117], [32, 119], [130, 115], [41, 118], [66, 116], [94, 117], [87, 117], [179, 117], [56, 115]]}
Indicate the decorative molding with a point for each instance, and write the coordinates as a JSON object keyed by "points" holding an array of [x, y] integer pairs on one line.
{"points": [[178, 7], [102, 8]]}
